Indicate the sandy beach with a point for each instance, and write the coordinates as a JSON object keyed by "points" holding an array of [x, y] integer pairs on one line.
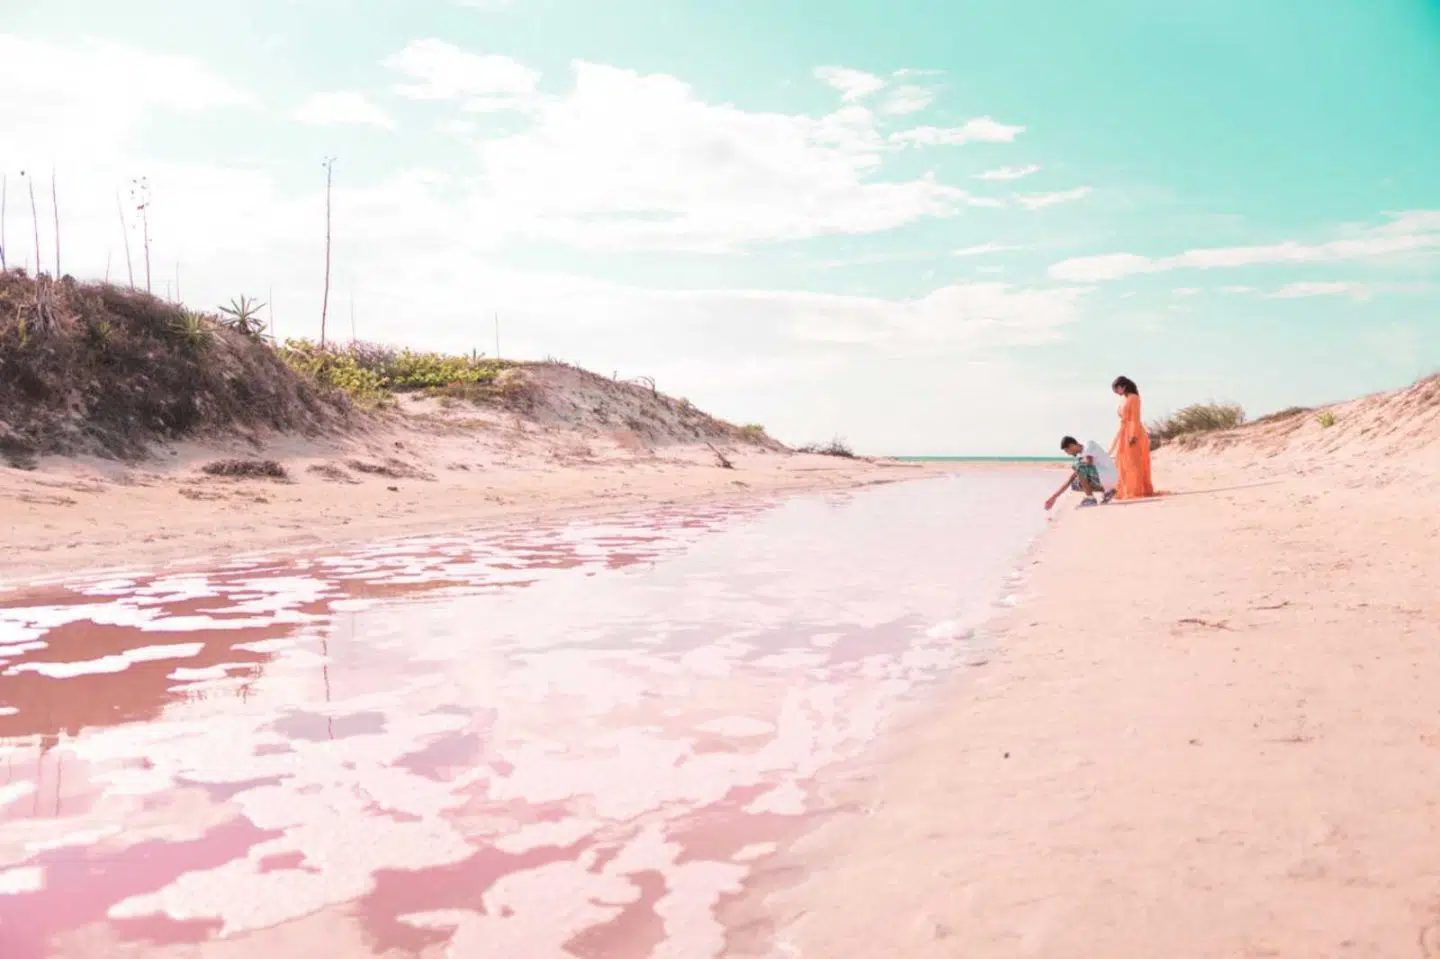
{"points": [[1211, 730], [74, 515], [545, 479], [1207, 729]]}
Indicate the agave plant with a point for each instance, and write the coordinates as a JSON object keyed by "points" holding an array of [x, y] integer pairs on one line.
{"points": [[242, 316], [101, 334], [193, 329]]}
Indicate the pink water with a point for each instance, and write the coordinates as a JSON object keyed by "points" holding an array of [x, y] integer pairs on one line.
{"points": [[569, 741]]}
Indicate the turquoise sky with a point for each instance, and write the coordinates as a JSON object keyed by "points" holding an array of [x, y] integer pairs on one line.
{"points": [[1158, 128]]}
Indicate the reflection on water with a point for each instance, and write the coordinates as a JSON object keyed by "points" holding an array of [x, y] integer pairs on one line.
{"points": [[571, 741]]}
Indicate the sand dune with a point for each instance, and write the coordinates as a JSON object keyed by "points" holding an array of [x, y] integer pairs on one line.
{"points": [[1398, 429], [136, 433], [1212, 731], [581, 443]]}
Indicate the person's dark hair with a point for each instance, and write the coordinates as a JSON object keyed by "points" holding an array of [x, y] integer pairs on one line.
{"points": [[1126, 385], [1068, 442]]}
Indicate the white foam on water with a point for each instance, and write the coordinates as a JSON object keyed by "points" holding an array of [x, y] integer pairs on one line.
{"points": [[108, 664], [626, 704], [14, 882]]}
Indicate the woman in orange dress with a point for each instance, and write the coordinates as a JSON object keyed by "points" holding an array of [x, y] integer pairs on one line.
{"points": [[1131, 449]]}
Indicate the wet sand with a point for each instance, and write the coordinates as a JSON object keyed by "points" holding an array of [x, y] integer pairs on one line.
{"points": [[1211, 730], [72, 516], [571, 740]]}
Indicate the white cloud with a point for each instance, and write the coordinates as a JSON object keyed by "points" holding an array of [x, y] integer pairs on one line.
{"points": [[1237, 289], [1411, 221], [1294, 291], [852, 84], [342, 108], [632, 160], [972, 314], [618, 160], [462, 129], [417, 251], [1098, 269], [1038, 201], [1187, 291], [626, 160], [442, 71], [986, 248], [1008, 173], [90, 96], [905, 100], [977, 130], [1404, 233]]}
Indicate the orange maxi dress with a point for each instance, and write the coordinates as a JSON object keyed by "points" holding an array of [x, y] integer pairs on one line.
{"points": [[1132, 459]]}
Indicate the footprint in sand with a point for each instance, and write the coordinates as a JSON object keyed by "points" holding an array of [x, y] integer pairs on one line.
{"points": [[1430, 941]]}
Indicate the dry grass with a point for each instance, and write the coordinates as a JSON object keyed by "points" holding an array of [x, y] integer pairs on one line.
{"points": [[836, 447], [331, 472], [390, 469], [246, 469], [1197, 419], [1280, 416], [95, 368]]}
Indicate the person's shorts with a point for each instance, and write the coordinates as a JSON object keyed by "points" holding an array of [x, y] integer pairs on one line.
{"points": [[1088, 472]]}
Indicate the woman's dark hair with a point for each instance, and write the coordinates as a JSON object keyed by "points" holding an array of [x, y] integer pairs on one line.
{"points": [[1126, 385]]}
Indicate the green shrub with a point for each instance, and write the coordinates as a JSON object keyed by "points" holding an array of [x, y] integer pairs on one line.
{"points": [[1198, 418], [419, 371], [335, 368], [367, 369], [243, 316], [1326, 419], [194, 330]]}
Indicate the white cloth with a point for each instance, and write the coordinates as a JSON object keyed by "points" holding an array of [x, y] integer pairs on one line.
{"points": [[1104, 465]]}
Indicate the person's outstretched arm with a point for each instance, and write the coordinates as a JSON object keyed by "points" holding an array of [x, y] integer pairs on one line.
{"points": [[1050, 503]]}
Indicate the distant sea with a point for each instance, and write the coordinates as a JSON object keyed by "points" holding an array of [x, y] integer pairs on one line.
{"points": [[982, 459]]}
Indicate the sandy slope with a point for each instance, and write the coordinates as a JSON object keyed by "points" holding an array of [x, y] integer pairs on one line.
{"points": [[73, 515], [564, 440], [1214, 731]]}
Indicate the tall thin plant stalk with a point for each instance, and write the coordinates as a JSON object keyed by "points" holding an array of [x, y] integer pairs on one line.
{"points": [[125, 235], [55, 211], [140, 196], [35, 222], [325, 298], [145, 228]]}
